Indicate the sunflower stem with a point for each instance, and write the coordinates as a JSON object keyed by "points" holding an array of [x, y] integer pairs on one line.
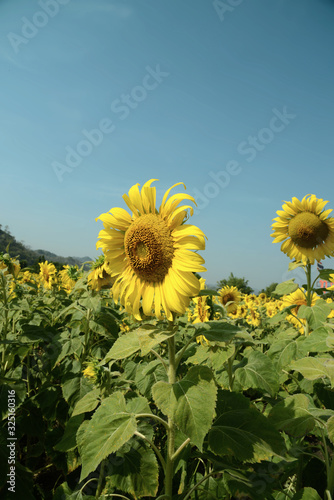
{"points": [[171, 425], [309, 286], [6, 321], [308, 294]]}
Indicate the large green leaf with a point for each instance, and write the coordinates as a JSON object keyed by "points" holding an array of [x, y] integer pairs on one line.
{"points": [[292, 415], [214, 356], [150, 337], [76, 388], [146, 378], [88, 403], [314, 368], [245, 434], [330, 429], [110, 427], [286, 287], [217, 332], [315, 315], [282, 352], [126, 345], [319, 340], [190, 403], [135, 472], [259, 373], [306, 494], [68, 441]]}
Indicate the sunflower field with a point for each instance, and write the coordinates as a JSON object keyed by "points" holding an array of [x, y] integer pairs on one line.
{"points": [[135, 381]]}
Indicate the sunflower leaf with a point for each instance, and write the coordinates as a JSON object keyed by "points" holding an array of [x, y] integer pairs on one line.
{"points": [[325, 274], [245, 434], [330, 429], [202, 293], [218, 331], [126, 345], [306, 494], [135, 472], [149, 338], [315, 368], [286, 287], [110, 427], [292, 415], [190, 402], [315, 315], [259, 373]]}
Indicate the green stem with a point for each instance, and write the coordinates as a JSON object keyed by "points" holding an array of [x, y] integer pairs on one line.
{"points": [[155, 417], [100, 481], [202, 481], [85, 350], [309, 286], [181, 351], [180, 448], [162, 461], [230, 374], [308, 294], [330, 478], [157, 355], [171, 425], [5, 327]]}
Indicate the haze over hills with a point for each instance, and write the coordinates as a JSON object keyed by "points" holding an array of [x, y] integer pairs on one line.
{"points": [[29, 257]]}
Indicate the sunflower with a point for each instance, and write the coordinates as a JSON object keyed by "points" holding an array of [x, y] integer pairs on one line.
{"points": [[69, 276], [201, 308], [271, 309], [305, 229], [251, 300], [99, 277], [229, 294], [12, 266], [47, 274], [253, 317], [298, 298], [150, 252], [262, 297]]}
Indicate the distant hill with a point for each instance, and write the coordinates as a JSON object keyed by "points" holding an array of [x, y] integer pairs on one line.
{"points": [[28, 257]]}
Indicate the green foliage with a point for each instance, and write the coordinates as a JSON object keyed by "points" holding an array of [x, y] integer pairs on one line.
{"points": [[97, 397], [240, 283]]}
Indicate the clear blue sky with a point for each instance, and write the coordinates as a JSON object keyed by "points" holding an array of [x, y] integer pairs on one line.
{"points": [[234, 98]]}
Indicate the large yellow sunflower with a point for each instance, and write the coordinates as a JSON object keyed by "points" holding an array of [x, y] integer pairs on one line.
{"points": [[305, 229], [150, 252]]}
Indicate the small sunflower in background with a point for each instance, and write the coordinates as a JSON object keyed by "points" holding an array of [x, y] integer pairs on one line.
{"points": [[229, 294], [298, 298], [47, 274], [11, 265], [305, 230], [202, 309], [69, 276], [253, 317], [150, 252], [99, 277]]}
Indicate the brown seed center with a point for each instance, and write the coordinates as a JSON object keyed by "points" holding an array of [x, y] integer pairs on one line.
{"points": [[149, 247], [307, 230]]}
